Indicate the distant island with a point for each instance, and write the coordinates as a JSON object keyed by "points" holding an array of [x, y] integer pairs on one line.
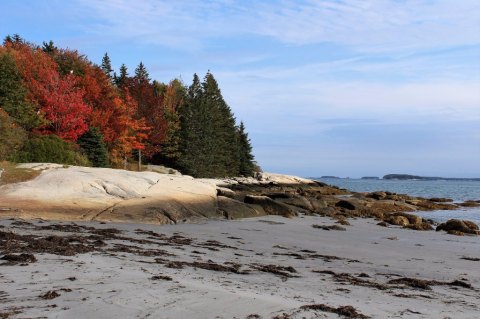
{"points": [[370, 177], [328, 176], [425, 178]]}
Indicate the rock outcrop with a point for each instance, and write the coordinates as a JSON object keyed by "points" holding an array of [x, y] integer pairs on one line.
{"points": [[83, 193], [270, 206], [459, 227]]}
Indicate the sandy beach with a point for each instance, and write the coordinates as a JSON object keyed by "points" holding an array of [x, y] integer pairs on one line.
{"points": [[264, 267]]}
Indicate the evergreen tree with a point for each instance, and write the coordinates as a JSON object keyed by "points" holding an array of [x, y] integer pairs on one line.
{"points": [[208, 133], [192, 137], [18, 39], [13, 94], [121, 80], [107, 66], [222, 141], [49, 47], [12, 136], [93, 146], [141, 73], [7, 39], [247, 165]]}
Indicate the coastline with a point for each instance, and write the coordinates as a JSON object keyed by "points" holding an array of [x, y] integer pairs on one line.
{"points": [[168, 246], [264, 267]]}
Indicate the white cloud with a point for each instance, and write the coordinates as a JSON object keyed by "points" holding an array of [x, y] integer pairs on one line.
{"points": [[365, 26], [302, 94], [402, 62], [376, 25]]}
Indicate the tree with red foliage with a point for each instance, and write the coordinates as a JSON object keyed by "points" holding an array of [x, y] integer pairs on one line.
{"points": [[150, 107], [114, 113], [63, 107], [59, 99]]}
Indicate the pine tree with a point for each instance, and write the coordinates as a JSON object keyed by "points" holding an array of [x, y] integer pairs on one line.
{"points": [[93, 146], [191, 131], [122, 78], [208, 133], [13, 94], [7, 39], [223, 130], [141, 73], [107, 66], [246, 159], [12, 136], [49, 47], [18, 39]]}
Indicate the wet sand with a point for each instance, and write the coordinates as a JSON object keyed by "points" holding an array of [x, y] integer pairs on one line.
{"points": [[266, 267]]}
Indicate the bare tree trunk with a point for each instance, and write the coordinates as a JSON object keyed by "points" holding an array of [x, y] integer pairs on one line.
{"points": [[139, 160]]}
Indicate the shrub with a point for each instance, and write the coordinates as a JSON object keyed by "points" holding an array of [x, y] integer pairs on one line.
{"points": [[94, 148], [12, 136], [50, 149]]}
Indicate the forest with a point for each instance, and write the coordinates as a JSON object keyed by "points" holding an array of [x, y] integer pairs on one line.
{"points": [[57, 106]]}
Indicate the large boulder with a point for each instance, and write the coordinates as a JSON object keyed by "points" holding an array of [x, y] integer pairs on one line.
{"points": [[222, 191], [293, 200], [234, 209], [422, 226], [318, 204], [377, 195], [412, 219], [398, 220], [270, 206], [404, 206], [456, 225], [346, 204]]}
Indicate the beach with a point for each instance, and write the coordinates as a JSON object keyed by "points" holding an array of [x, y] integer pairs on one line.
{"points": [[264, 267]]}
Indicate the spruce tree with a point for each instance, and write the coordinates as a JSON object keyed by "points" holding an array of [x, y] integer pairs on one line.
{"points": [[13, 94], [192, 135], [18, 39], [93, 146], [247, 165], [12, 136], [141, 73], [7, 39], [222, 130], [122, 78], [107, 66], [208, 132], [49, 47]]}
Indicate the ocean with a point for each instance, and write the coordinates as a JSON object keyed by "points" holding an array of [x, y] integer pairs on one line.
{"points": [[459, 191]]}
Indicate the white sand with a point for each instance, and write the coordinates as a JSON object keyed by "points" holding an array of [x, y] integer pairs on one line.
{"points": [[118, 285]]}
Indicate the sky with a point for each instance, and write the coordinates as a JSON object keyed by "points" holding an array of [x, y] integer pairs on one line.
{"points": [[349, 88]]}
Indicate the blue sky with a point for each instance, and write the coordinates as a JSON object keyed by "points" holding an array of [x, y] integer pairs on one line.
{"points": [[325, 87]]}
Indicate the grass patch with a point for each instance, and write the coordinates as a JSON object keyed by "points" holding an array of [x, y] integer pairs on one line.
{"points": [[10, 173]]}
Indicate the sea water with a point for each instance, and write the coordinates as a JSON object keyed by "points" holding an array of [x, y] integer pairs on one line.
{"points": [[459, 191]]}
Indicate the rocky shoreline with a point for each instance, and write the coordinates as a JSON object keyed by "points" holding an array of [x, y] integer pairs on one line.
{"points": [[82, 242], [108, 195], [324, 200]]}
